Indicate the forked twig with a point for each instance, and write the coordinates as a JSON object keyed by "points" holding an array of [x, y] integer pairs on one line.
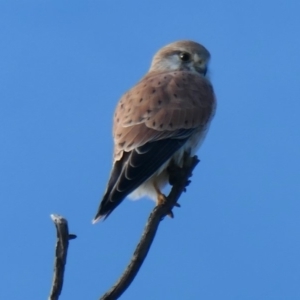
{"points": [[61, 251]]}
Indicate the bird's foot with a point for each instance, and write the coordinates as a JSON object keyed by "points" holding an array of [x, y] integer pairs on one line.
{"points": [[161, 200]]}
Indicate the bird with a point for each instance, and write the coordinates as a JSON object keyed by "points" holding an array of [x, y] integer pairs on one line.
{"points": [[165, 115]]}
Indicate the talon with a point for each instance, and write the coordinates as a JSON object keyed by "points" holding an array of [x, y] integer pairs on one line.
{"points": [[170, 214], [188, 182]]}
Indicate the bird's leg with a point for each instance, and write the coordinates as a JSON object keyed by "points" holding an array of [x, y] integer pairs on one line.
{"points": [[161, 199]]}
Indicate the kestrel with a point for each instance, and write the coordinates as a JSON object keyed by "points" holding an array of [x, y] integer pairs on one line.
{"points": [[163, 116]]}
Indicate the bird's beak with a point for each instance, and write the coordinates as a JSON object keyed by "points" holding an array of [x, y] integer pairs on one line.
{"points": [[200, 69]]}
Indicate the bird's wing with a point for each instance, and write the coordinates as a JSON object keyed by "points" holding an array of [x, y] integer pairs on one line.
{"points": [[152, 121]]}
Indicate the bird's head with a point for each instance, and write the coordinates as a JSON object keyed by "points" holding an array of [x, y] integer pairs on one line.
{"points": [[181, 56]]}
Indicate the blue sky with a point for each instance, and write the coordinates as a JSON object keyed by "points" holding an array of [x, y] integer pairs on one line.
{"points": [[63, 67]]}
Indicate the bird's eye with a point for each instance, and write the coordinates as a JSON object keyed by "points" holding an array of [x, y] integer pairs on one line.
{"points": [[184, 56]]}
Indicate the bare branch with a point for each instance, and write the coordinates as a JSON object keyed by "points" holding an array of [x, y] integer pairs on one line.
{"points": [[179, 179], [61, 250]]}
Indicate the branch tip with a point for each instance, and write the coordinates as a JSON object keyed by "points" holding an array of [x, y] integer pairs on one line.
{"points": [[61, 250]]}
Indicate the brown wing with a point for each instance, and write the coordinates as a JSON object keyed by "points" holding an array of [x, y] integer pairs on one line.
{"points": [[152, 121], [160, 105]]}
